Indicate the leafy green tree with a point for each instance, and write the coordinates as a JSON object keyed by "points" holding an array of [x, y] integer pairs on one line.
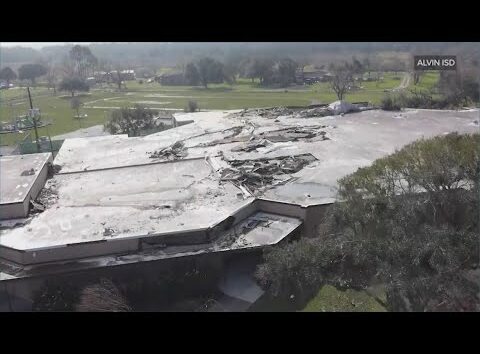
{"points": [[409, 221], [131, 121], [83, 60], [210, 71], [31, 72], [73, 84], [7, 74], [191, 74], [286, 71]]}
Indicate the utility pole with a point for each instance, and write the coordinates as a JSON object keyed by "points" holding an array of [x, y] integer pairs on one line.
{"points": [[34, 120]]}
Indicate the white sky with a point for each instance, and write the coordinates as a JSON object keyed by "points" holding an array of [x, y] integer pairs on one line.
{"points": [[37, 45]]}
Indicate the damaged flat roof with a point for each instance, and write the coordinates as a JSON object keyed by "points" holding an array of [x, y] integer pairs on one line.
{"points": [[179, 179]]}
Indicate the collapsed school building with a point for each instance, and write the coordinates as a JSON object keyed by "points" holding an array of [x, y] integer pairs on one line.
{"points": [[227, 183]]}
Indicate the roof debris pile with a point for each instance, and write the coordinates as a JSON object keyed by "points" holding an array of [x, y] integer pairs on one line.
{"points": [[253, 145], [295, 133], [321, 110], [48, 195], [175, 151], [268, 138], [236, 233], [257, 175], [267, 112]]}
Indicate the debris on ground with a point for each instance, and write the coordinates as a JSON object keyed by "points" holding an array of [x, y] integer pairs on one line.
{"points": [[172, 152], [268, 112], [315, 112], [36, 207], [343, 107], [257, 175], [29, 172]]}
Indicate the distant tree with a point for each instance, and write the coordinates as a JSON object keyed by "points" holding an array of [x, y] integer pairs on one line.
{"points": [[286, 71], [73, 84], [357, 66], [7, 74], [367, 66], [75, 104], [131, 121], [52, 78], [31, 72], [459, 87], [192, 106], [210, 71], [264, 70], [341, 79], [191, 74], [83, 59]]}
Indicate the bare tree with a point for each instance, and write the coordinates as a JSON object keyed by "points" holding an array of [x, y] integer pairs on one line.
{"points": [[341, 79], [52, 77]]}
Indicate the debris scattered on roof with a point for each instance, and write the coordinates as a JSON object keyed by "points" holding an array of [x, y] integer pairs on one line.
{"points": [[108, 231], [36, 207], [173, 152], [29, 172], [48, 195], [256, 175]]}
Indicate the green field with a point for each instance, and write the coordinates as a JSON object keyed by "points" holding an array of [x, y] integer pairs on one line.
{"points": [[329, 299], [98, 103]]}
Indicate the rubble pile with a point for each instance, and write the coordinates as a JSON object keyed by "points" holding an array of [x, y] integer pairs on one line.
{"points": [[268, 112], [48, 195], [256, 175], [253, 145], [315, 112], [295, 133], [172, 152], [334, 108]]}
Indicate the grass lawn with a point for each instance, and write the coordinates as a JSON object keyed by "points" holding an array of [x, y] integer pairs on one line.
{"points": [[329, 299], [98, 103], [427, 81]]}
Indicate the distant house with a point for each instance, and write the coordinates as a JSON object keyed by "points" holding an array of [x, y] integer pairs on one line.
{"points": [[176, 78], [311, 77], [127, 75], [101, 76], [91, 81]]}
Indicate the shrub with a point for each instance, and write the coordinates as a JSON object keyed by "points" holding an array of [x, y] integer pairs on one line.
{"points": [[390, 103], [102, 297], [410, 220], [57, 296], [192, 106]]}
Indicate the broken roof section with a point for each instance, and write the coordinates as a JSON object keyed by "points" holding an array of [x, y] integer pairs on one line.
{"points": [[197, 175], [21, 179]]}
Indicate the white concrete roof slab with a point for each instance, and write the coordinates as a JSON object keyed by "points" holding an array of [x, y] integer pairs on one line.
{"points": [[13, 186]]}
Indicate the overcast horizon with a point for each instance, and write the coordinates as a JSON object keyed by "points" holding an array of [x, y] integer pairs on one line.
{"points": [[38, 45]]}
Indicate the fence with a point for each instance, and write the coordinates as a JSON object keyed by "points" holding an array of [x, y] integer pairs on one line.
{"points": [[29, 147]]}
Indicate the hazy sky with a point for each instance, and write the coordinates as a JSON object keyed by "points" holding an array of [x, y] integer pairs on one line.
{"points": [[37, 45]]}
